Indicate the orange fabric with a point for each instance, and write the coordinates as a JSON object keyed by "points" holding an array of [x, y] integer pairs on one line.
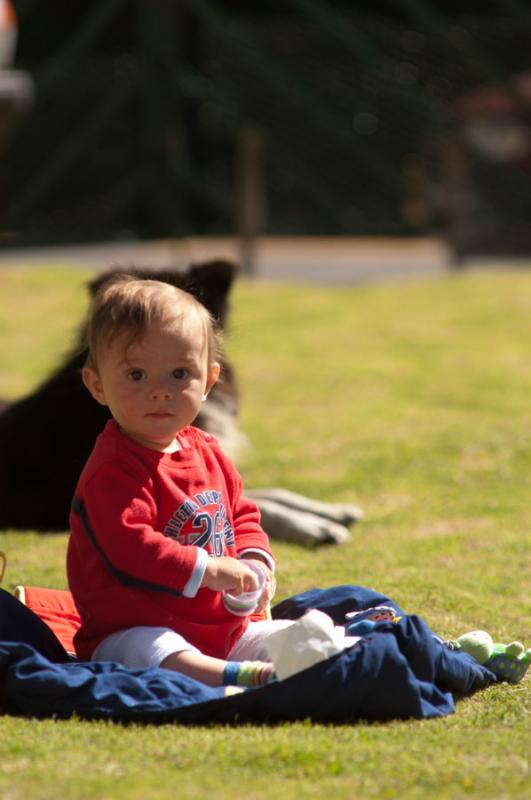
{"points": [[57, 609], [8, 17]]}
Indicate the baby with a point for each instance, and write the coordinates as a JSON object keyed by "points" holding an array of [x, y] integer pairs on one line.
{"points": [[160, 530]]}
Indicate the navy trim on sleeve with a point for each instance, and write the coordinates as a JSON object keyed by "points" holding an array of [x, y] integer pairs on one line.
{"points": [[78, 508]]}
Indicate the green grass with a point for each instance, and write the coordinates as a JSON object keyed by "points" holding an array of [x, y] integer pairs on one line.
{"points": [[412, 400]]}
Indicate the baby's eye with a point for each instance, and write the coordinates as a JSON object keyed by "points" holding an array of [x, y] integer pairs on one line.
{"points": [[136, 374], [180, 373]]}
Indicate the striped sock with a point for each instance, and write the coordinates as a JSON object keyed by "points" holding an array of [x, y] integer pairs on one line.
{"points": [[248, 673]]}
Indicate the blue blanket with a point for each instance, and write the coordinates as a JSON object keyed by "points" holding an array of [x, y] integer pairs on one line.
{"points": [[399, 670]]}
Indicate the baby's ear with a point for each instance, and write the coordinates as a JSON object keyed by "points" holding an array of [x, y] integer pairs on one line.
{"points": [[93, 383], [214, 371]]}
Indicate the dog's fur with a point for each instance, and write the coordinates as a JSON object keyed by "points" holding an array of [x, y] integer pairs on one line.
{"points": [[46, 438]]}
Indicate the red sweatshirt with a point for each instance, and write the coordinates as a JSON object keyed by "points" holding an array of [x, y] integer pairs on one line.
{"points": [[138, 521]]}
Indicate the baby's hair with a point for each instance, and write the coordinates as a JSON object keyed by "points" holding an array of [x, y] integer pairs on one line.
{"points": [[127, 306]]}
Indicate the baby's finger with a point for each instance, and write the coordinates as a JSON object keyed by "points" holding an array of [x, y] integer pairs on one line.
{"points": [[250, 580]]}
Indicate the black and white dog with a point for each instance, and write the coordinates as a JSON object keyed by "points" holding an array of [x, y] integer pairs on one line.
{"points": [[46, 437]]}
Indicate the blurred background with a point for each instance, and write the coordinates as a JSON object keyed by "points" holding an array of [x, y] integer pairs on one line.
{"points": [[141, 119]]}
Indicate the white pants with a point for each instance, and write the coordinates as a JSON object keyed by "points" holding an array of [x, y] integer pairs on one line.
{"points": [[142, 647]]}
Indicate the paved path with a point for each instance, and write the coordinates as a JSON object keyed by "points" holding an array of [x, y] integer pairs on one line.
{"points": [[326, 260]]}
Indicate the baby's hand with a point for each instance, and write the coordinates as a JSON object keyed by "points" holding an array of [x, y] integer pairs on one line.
{"points": [[270, 586], [229, 574]]}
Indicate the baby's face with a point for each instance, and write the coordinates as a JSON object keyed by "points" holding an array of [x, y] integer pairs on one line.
{"points": [[155, 387]]}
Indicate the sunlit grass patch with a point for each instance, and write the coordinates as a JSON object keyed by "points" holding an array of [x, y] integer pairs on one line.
{"points": [[412, 400]]}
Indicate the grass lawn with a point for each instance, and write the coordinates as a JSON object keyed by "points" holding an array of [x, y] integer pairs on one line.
{"points": [[411, 400]]}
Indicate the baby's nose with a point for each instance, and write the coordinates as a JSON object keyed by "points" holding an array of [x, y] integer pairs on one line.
{"points": [[161, 389]]}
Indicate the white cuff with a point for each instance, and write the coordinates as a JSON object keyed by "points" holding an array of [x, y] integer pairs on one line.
{"points": [[194, 581], [248, 553]]}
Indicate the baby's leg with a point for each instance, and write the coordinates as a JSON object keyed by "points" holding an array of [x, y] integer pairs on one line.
{"points": [[143, 647], [196, 665], [217, 671]]}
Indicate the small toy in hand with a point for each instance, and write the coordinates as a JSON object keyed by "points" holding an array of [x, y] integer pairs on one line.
{"points": [[362, 622], [509, 662]]}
